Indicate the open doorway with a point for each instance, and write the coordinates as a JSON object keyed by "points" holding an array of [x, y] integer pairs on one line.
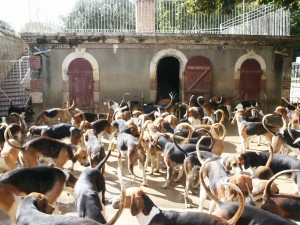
{"points": [[167, 77]]}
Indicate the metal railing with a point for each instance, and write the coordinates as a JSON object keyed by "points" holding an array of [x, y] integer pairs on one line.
{"points": [[16, 73], [295, 83], [159, 16], [264, 20]]}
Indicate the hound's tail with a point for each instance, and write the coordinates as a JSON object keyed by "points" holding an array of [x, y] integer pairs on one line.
{"points": [[8, 135], [267, 192], [188, 126], [264, 123], [122, 201], [240, 210], [271, 151], [103, 161], [204, 148], [68, 108], [202, 182]]}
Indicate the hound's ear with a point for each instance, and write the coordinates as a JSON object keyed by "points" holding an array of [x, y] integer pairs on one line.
{"points": [[247, 163], [134, 208], [244, 160], [249, 184], [41, 203], [147, 205], [75, 157], [230, 193], [137, 202]]}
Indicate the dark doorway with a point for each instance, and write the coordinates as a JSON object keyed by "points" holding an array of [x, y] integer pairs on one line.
{"points": [[167, 77]]}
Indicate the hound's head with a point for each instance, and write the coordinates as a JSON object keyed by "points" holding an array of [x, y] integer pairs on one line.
{"points": [[232, 165], [41, 202], [136, 200], [81, 155], [238, 113], [244, 182]]}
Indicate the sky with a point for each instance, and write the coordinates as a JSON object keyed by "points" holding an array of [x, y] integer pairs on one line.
{"points": [[16, 12]]}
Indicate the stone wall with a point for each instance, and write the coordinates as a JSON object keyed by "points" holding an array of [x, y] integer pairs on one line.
{"points": [[11, 48], [128, 63]]}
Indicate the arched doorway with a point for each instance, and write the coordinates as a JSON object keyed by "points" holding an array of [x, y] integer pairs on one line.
{"points": [[81, 83], [250, 80], [198, 77], [167, 77]]}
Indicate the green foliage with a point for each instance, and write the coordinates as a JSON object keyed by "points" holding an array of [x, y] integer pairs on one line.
{"points": [[226, 6], [92, 14], [6, 26], [295, 29], [295, 22], [290, 4]]}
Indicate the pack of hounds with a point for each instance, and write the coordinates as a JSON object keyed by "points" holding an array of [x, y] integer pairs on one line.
{"points": [[183, 138]]}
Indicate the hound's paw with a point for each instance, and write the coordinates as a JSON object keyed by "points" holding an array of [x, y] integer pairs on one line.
{"points": [[188, 206], [70, 168], [156, 170], [165, 186]]}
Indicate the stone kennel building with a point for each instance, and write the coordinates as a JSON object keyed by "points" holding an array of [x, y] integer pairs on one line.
{"points": [[91, 67]]}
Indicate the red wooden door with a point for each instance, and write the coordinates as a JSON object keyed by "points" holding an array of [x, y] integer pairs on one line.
{"points": [[198, 77], [250, 80], [81, 84]]}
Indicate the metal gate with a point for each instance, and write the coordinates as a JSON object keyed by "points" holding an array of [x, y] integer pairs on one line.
{"points": [[198, 77], [250, 80], [81, 84]]}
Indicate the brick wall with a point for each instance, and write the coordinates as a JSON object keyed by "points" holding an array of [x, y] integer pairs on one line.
{"points": [[145, 16], [286, 78], [11, 48]]}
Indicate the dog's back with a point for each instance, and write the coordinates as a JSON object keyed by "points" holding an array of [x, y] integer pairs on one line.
{"points": [[279, 162], [88, 202], [28, 213], [47, 180], [59, 131], [48, 147], [94, 147], [27, 179], [251, 215], [87, 190]]}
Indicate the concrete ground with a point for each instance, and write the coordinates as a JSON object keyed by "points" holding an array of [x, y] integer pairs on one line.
{"points": [[172, 198]]}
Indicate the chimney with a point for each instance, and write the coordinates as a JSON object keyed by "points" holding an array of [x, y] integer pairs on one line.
{"points": [[145, 16]]}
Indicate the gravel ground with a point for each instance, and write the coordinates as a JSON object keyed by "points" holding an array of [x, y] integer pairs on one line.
{"points": [[172, 198]]}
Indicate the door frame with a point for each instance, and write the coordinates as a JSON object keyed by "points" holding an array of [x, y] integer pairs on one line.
{"points": [[81, 78], [205, 71], [81, 53], [237, 73], [153, 70]]}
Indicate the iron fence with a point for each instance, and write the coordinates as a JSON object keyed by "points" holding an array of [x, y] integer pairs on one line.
{"points": [[295, 83], [158, 16], [15, 79]]}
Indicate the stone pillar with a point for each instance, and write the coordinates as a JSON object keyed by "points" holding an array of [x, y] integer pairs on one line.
{"points": [[145, 16], [286, 77]]}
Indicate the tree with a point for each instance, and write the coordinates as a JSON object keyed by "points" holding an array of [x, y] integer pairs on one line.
{"points": [[101, 14], [295, 29], [6, 26], [209, 6]]}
